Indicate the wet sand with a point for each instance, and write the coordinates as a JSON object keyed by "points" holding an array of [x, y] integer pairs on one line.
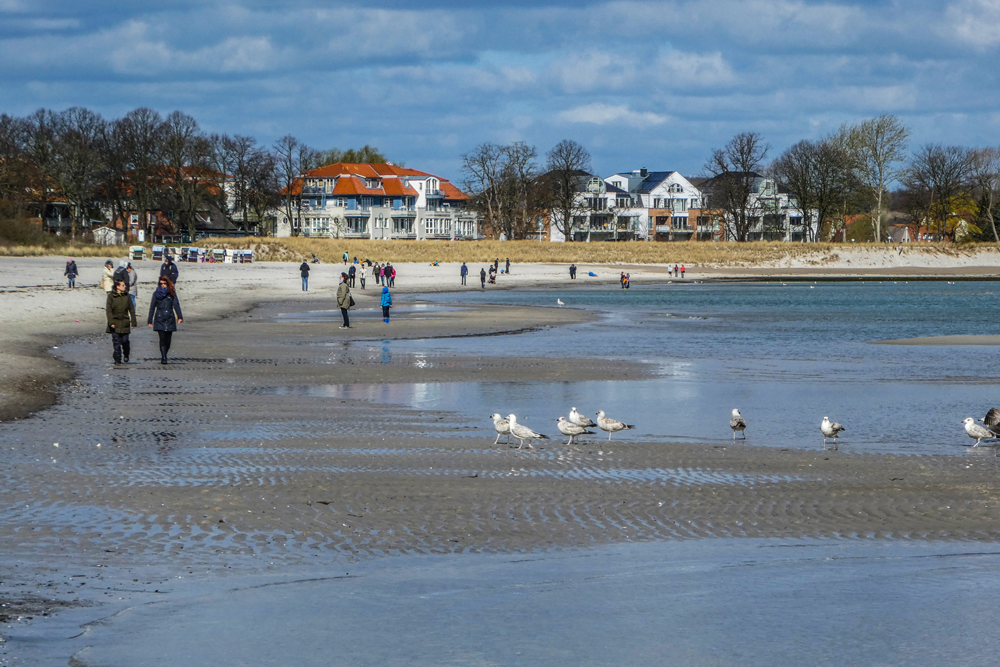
{"points": [[244, 456], [944, 340]]}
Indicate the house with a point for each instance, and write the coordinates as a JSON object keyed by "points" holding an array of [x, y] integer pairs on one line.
{"points": [[105, 235], [668, 200], [602, 211], [375, 201], [772, 212]]}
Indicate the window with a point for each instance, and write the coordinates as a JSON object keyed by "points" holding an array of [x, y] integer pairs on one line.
{"points": [[366, 203], [678, 222], [674, 188], [656, 202], [340, 202]]}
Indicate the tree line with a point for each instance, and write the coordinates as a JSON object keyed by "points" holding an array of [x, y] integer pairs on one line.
{"points": [[145, 162]]}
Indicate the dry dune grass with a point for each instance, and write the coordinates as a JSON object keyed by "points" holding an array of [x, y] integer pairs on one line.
{"points": [[523, 252], [69, 250]]}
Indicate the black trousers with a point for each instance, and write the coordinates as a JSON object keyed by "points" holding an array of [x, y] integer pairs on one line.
{"points": [[121, 345], [165, 337], [347, 320], [385, 312]]}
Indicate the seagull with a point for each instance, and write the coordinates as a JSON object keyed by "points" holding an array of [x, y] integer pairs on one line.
{"points": [[522, 432], [737, 423], [571, 429], [830, 429], [580, 420], [560, 302], [611, 425], [976, 431], [992, 421], [502, 427]]}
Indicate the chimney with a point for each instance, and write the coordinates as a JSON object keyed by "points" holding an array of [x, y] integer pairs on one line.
{"points": [[644, 172]]}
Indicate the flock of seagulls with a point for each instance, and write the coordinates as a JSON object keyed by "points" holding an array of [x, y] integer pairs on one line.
{"points": [[575, 426], [578, 425]]}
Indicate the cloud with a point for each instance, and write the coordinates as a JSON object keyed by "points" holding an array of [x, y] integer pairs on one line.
{"points": [[600, 113], [694, 70], [975, 22]]}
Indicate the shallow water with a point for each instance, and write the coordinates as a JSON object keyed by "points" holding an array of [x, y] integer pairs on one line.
{"points": [[717, 602], [786, 355]]}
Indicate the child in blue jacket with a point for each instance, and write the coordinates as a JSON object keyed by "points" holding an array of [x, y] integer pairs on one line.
{"points": [[386, 304]]}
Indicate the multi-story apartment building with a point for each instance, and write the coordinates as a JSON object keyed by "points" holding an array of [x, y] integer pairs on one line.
{"points": [[667, 199], [377, 201], [773, 214]]}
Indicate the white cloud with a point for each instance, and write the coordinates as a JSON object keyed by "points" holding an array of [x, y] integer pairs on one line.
{"points": [[694, 70], [600, 113], [593, 70], [975, 22]]}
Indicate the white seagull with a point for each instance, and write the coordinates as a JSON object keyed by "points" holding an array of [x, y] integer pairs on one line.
{"points": [[571, 429], [830, 429], [501, 425], [976, 431], [522, 432], [611, 425], [737, 423], [992, 421], [560, 302], [580, 420]]}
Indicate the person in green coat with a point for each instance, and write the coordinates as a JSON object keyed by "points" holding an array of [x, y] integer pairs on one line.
{"points": [[344, 300], [121, 319]]}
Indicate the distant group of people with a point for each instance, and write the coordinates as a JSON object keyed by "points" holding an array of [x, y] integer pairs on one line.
{"points": [[677, 271], [384, 274], [483, 275], [624, 280], [122, 287]]}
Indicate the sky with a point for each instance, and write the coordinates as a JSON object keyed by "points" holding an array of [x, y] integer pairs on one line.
{"points": [[643, 83]]}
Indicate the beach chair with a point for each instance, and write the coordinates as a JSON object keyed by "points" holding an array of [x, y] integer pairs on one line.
{"points": [[137, 252], [158, 253]]}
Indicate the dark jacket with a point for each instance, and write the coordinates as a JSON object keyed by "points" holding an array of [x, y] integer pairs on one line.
{"points": [[161, 313], [121, 273], [482, 274], [304, 270], [465, 270], [71, 271], [169, 269], [351, 271], [121, 313]]}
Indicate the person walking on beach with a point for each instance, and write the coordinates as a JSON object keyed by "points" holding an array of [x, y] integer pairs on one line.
{"points": [[345, 258], [344, 300], [677, 271], [392, 276], [121, 318], [572, 271], [121, 273], [670, 272], [621, 280], [71, 272], [682, 270], [351, 274], [304, 272], [169, 269], [464, 272], [133, 283], [507, 268], [386, 304], [161, 318], [362, 273], [627, 280], [482, 277], [107, 276]]}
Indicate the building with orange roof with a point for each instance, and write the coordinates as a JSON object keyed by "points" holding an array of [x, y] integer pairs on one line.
{"points": [[377, 201]]}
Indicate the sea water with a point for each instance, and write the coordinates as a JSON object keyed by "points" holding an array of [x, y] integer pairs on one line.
{"points": [[786, 355]]}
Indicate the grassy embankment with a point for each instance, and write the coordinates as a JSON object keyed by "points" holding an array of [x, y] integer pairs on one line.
{"points": [[692, 253]]}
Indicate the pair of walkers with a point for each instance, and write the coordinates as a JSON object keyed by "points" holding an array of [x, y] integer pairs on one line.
{"points": [[345, 301], [120, 311]]}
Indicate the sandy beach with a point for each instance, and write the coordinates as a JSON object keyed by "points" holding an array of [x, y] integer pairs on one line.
{"points": [[243, 456]]}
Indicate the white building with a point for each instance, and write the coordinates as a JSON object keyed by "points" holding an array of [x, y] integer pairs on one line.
{"points": [[668, 200], [601, 212], [377, 201]]}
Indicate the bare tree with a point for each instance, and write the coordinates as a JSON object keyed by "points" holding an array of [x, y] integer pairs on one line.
{"points": [[77, 169], [483, 168], [566, 165], [188, 180], [879, 149], [941, 175], [733, 190], [292, 158], [986, 182], [817, 175], [17, 172], [518, 196], [142, 132]]}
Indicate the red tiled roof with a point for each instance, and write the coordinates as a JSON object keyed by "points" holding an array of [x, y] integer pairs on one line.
{"points": [[451, 192], [394, 186]]}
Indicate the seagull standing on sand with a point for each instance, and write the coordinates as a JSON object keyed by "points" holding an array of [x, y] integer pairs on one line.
{"points": [[830, 429], [501, 425], [611, 425], [522, 432], [580, 420], [737, 423], [560, 302], [976, 431], [992, 421], [571, 429]]}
